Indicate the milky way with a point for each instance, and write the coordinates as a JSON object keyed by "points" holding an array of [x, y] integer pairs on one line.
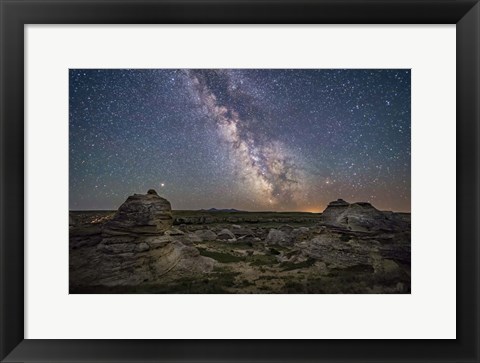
{"points": [[263, 163], [245, 139]]}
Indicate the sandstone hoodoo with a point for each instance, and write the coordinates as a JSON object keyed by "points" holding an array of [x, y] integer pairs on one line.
{"points": [[141, 214], [334, 209], [138, 246], [361, 216]]}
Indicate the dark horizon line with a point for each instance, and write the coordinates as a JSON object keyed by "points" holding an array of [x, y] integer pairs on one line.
{"points": [[227, 210]]}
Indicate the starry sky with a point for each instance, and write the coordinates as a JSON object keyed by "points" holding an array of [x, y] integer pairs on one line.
{"points": [[250, 139]]}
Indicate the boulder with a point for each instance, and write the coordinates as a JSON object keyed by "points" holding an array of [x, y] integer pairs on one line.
{"points": [[384, 267], [225, 234], [206, 235], [277, 237], [286, 228], [243, 232]]}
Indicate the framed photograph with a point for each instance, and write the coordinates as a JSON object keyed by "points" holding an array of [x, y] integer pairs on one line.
{"points": [[270, 149], [243, 181]]}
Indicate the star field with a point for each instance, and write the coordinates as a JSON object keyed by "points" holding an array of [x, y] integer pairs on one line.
{"points": [[250, 139]]}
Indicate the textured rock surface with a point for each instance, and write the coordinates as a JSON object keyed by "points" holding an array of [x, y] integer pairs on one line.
{"points": [[137, 246], [278, 237], [206, 235], [141, 214], [152, 261], [352, 248], [334, 209], [225, 234], [243, 232], [362, 216]]}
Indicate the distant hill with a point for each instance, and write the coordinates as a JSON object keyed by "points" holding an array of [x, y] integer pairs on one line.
{"points": [[220, 210]]}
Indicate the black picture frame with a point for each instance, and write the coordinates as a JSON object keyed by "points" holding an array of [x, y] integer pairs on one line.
{"points": [[17, 13]]}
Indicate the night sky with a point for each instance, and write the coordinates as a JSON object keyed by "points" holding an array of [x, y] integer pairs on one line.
{"points": [[250, 139]]}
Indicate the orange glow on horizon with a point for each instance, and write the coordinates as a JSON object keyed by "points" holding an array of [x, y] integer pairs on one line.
{"points": [[312, 209]]}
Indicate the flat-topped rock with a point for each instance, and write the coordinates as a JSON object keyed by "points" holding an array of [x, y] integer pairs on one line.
{"points": [[361, 216], [334, 209], [339, 203]]}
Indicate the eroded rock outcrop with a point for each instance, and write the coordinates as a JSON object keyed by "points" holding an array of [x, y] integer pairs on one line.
{"points": [[361, 216], [139, 246], [350, 248], [141, 214]]}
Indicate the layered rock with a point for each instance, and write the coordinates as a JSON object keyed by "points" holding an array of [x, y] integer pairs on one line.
{"points": [[152, 260], [141, 214], [139, 246], [351, 248], [362, 216], [334, 209]]}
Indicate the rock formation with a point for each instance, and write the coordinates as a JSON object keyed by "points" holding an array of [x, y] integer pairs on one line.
{"points": [[141, 214], [138, 246], [278, 237], [206, 235], [350, 247], [226, 234], [361, 216]]}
